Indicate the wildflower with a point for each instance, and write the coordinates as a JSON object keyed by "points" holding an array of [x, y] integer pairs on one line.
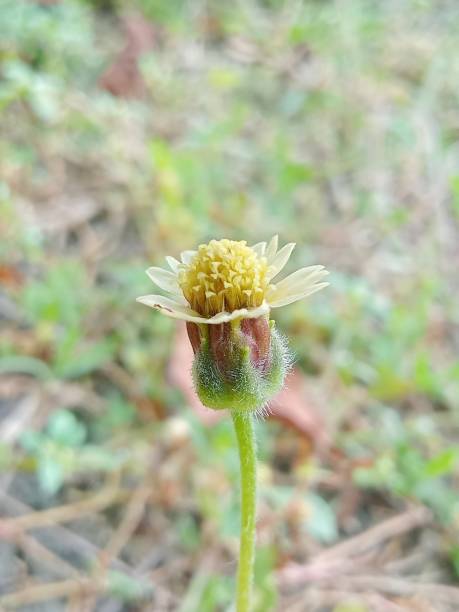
{"points": [[224, 291]]}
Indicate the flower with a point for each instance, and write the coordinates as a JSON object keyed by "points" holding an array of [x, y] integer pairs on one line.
{"points": [[224, 291], [226, 280]]}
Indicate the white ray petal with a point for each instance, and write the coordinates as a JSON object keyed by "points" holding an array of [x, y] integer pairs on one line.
{"points": [[173, 263], [280, 259], [178, 310], [171, 308], [297, 282], [245, 313], [187, 256], [259, 248], [272, 249], [283, 301], [165, 280]]}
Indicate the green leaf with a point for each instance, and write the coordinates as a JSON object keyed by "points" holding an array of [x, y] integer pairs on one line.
{"points": [[50, 475], [321, 523], [25, 365], [454, 556], [85, 359], [64, 427], [92, 457], [119, 414], [443, 463], [127, 588], [31, 441], [454, 183]]}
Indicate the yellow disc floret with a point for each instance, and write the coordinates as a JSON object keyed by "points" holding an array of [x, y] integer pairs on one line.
{"points": [[224, 275]]}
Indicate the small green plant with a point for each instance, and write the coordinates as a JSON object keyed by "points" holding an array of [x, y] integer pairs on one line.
{"points": [[57, 306]]}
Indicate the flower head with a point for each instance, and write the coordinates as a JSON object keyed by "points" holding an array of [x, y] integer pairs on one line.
{"points": [[224, 275], [224, 292], [226, 280]]}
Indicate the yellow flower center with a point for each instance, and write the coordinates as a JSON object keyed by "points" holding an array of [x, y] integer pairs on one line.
{"points": [[224, 275]]}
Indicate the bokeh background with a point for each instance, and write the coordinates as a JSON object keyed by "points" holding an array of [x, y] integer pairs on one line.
{"points": [[132, 130]]}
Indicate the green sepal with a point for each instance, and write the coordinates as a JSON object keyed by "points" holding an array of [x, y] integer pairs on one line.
{"points": [[244, 388]]}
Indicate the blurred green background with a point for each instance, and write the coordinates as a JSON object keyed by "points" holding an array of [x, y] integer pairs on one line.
{"points": [[134, 130]]}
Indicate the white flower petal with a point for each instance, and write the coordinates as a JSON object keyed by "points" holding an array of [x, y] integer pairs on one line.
{"points": [[259, 248], [280, 259], [299, 296], [171, 308], [272, 249], [296, 283], [173, 263], [187, 256], [245, 313], [177, 310], [165, 280]]}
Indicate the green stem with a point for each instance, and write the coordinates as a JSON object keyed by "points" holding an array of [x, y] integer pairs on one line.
{"points": [[245, 433]]}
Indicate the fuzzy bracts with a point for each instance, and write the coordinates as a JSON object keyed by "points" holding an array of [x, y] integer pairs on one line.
{"points": [[237, 370]]}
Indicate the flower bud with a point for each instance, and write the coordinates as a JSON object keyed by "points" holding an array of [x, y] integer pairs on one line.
{"points": [[239, 364]]}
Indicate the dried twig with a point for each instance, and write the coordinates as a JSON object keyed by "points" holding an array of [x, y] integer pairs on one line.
{"points": [[51, 590], [69, 512], [13, 426], [317, 598], [61, 534], [131, 519], [121, 536], [390, 528], [401, 587], [35, 549], [331, 560]]}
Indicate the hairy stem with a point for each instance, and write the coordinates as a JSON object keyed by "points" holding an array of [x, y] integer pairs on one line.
{"points": [[245, 433]]}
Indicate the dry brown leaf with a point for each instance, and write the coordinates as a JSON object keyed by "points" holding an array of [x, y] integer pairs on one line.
{"points": [[10, 275], [123, 77]]}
